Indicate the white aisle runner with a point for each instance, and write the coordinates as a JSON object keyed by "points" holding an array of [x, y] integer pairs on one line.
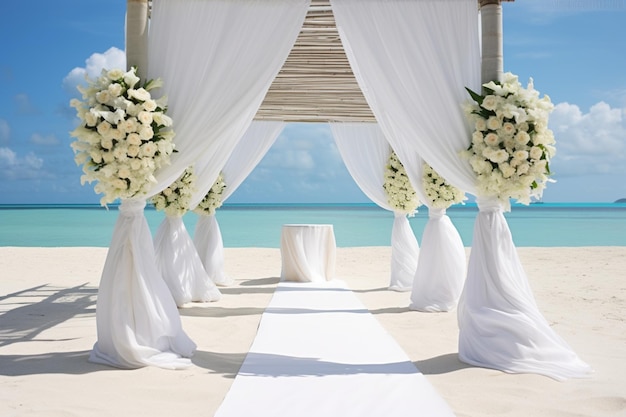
{"points": [[320, 352]]}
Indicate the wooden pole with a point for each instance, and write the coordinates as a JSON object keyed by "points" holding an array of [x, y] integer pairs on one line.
{"points": [[491, 25], [137, 36]]}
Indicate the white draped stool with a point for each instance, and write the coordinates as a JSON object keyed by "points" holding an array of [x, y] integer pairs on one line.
{"points": [[308, 252]]}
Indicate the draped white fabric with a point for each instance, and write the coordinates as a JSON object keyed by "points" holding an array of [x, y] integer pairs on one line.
{"points": [[441, 268], [180, 264], [413, 60], [217, 59], [247, 154], [501, 326], [365, 152], [214, 62], [137, 320]]}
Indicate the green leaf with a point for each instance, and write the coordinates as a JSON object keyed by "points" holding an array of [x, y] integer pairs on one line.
{"points": [[475, 96]]}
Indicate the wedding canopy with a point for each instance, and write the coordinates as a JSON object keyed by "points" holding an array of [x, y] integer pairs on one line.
{"points": [[412, 61]]}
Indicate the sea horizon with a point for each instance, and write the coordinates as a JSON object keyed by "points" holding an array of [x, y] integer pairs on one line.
{"points": [[355, 224]]}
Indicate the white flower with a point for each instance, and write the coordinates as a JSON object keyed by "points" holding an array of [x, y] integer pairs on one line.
{"points": [[145, 117], [400, 193], [176, 198], [440, 193], [116, 151], [139, 94], [512, 160]]}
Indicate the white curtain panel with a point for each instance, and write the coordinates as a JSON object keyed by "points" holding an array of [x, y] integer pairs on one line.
{"points": [[413, 60], [180, 264], [136, 316], [216, 59], [365, 152], [500, 321], [207, 238]]}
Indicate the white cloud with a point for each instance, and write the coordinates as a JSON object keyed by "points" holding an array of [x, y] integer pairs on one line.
{"points": [[47, 140], [589, 143], [112, 58], [5, 131], [13, 167]]}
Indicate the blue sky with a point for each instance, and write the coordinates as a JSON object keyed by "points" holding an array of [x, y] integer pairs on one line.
{"points": [[574, 50]]}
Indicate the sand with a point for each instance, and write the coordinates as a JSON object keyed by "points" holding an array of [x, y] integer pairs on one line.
{"points": [[47, 329]]}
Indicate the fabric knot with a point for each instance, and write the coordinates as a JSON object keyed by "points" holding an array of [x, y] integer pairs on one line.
{"points": [[132, 207], [488, 204], [436, 213]]}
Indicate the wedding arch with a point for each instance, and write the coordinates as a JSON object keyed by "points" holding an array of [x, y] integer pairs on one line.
{"points": [[400, 66]]}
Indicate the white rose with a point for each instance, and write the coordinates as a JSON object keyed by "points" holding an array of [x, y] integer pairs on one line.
{"points": [[508, 128], [95, 156], [146, 133], [522, 138], [128, 125], [120, 153], [536, 152], [523, 155], [133, 151], [114, 90], [148, 149], [494, 123], [115, 74], [133, 139], [150, 105], [106, 143], [522, 169], [133, 109], [135, 164], [104, 128], [145, 117], [103, 96], [492, 139], [490, 103]]}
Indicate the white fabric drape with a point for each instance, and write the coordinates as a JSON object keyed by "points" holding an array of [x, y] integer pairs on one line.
{"points": [[137, 320], [442, 264], [441, 267], [180, 265], [365, 152], [215, 65], [501, 326], [413, 60], [247, 154]]}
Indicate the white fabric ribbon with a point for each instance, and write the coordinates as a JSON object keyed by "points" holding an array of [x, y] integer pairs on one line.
{"points": [[500, 325], [137, 320], [180, 265]]}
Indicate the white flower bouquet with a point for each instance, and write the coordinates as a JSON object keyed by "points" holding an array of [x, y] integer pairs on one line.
{"points": [[400, 193], [213, 199], [440, 193], [124, 135], [175, 200], [511, 145]]}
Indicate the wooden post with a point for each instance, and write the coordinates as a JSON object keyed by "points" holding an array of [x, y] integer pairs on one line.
{"points": [[492, 57], [137, 36]]}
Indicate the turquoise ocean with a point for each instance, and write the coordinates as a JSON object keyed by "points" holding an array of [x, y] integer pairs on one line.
{"points": [[259, 225]]}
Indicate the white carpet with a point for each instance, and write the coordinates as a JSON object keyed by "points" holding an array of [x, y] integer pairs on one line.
{"points": [[320, 352]]}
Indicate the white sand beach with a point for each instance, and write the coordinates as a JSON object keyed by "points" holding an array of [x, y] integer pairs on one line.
{"points": [[48, 327]]}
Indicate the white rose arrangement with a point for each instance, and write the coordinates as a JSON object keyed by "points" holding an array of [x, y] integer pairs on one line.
{"points": [[400, 193], [511, 145], [440, 193], [175, 200], [124, 135], [213, 198]]}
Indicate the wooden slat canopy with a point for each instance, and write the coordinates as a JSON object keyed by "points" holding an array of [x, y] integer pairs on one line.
{"points": [[316, 83]]}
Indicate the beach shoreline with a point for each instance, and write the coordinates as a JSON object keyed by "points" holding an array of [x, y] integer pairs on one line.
{"points": [[47, 307]]}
